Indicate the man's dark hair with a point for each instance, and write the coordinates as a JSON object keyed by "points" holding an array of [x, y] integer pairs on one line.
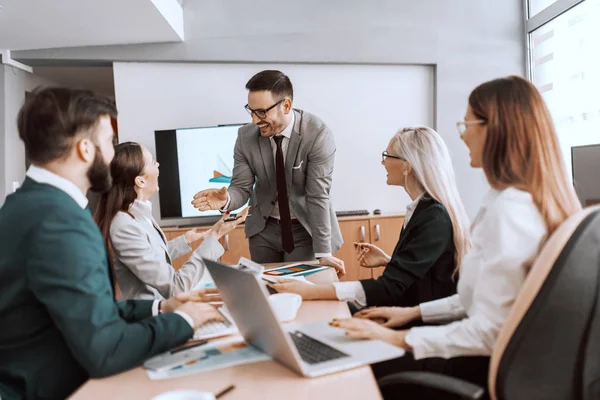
{"points": [[272, 81], [52, 118]]}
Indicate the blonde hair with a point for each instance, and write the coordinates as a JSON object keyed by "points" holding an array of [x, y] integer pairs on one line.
{"points": [[427, 154], [521, 147]]}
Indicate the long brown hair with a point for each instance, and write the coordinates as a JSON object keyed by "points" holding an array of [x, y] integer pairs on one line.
{"points": [[127, 164], [521, 147]]}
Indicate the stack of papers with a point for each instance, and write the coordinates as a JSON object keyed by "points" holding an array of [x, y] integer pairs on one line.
{"points": [[214, 355]]}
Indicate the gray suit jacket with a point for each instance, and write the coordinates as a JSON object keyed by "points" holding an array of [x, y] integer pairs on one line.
{"points": [[308, 170], [143, 257]]}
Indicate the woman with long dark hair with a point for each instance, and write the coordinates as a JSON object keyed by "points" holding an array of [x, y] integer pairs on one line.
{"points": [[140, 254]]}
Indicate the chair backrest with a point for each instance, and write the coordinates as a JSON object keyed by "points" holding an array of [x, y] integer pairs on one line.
{"points": [[542, 349]]}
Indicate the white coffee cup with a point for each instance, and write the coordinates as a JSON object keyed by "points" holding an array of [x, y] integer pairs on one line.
{"points": [[285, 305], [185, 395]]}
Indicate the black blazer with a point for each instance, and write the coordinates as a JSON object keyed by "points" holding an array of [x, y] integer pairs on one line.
{"points": [[422, 264]]}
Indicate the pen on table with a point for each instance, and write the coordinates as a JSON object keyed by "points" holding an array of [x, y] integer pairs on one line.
{"points": [[191, 346], [225, 391]]}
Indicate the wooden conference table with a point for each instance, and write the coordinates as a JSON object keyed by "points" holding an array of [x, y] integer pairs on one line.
{"points": [[264, 380]]}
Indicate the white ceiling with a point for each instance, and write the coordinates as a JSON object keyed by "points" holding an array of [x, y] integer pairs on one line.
{"points": [[37, 24]]}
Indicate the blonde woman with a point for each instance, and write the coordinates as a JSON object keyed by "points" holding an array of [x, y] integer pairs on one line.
{"points": [[510, 134], [434, 236]]}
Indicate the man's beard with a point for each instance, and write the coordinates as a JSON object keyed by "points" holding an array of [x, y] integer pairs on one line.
{"points": [[99, 174]]}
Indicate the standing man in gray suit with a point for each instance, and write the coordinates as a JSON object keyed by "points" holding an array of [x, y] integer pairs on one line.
{"points": [[283, 161]]}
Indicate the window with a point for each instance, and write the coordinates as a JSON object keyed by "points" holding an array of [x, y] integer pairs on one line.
{"points": [[564, 64], [535, 6]]}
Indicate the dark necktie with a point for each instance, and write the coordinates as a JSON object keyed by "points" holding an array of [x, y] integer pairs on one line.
{"points": [[287, 237]]}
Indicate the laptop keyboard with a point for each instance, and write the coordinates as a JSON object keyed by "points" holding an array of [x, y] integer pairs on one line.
{"points": [[213, 329], [314, 352]]}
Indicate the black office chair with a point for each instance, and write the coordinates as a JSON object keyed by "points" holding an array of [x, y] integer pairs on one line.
{"points": [[549, 347]]}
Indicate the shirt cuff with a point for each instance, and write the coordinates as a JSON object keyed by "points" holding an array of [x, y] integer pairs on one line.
{"points": [[416, 339], [185, 316], [351, 291], [322, 255], [448, 308], [155, 306], [226, 206]]}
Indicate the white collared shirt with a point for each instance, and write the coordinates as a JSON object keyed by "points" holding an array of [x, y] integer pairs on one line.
{"points": [[507, 235], [410, 209], [354, 291], [287, 133], [42, 175]]}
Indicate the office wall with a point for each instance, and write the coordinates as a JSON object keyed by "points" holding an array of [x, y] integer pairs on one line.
{"points": [[12, 151], [33, 81], [364, 105], [469, 41]]}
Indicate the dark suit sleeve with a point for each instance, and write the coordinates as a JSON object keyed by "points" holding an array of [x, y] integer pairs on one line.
{"points": [[67, 272], [430, 237], [134, 310], [319, 172]]}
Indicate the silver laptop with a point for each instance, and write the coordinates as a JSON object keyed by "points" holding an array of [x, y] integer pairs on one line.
{"points": [[311, 350]]}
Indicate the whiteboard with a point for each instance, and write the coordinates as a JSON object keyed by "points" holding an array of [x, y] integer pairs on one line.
{"points": [[364, 105]]}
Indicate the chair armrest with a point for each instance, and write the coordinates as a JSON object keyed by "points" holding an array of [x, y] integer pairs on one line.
{"points": [[432, 380]]}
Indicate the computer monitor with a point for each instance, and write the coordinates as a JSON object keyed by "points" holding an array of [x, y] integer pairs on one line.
{"points": [[193, 159], [585, 162]]}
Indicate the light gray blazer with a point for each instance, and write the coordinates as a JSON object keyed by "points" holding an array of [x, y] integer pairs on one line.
{"points": [[308, 170], [143, 257]]}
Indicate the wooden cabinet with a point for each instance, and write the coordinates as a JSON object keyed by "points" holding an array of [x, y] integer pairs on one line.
{"points": [[384, 233], [381, 230], [352, 231], [236, 245], [172, 233]]}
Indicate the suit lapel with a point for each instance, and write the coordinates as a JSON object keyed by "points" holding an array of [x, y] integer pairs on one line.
{"points": [[141, 219], [293, 146], [163, 242], [423, 204], [266, 153]]}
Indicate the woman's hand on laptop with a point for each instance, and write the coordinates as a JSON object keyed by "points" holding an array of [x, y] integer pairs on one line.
{"points": [[195, 296], [292, 286], [307, 291], [365, 329], [390, 317]]}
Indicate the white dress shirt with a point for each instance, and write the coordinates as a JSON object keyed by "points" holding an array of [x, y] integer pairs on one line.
{"points": [[507, 235], [286, 133], [42, 175], [354, 291]]}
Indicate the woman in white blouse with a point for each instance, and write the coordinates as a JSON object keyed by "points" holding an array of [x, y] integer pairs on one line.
{"points": [[140, 253], [510, 134]]}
